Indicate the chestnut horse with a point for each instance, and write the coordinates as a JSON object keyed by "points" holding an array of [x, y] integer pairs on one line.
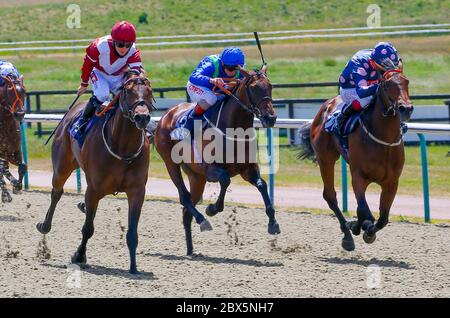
{"points": [[12, 96], [252, 97], [376, 154], [114, 157]]}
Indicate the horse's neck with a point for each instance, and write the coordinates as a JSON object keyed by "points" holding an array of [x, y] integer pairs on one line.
{"points": [[124, 135], [386, 128], [234, 116]]}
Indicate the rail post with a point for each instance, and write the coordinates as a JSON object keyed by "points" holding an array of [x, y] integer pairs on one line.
{"points": [[24, 153], [426, 198]]}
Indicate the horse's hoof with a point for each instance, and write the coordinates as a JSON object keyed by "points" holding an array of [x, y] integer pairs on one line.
{"points": [[82, 207], [78, 259], [6, 197], [274, 228], [205, 226], [16, 191], [211, 210], [43, 229], [354, 227], [369, 239], [348, 245]]}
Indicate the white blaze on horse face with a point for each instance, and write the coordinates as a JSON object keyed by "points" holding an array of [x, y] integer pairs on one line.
{"points": [[141, 110]]}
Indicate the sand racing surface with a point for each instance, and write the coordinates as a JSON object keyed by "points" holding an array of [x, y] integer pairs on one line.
{"points": [[238, 258]]}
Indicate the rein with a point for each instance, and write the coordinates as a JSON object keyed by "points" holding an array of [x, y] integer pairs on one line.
{"points": [[386, 112]]}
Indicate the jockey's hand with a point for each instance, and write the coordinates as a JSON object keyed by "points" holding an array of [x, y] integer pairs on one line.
{"points": [[218, 82], [81, 90]]}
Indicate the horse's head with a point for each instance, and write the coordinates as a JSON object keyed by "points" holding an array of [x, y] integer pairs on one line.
{"points": [[258, 92], [12, 94], [136, 100], [395, 94]]}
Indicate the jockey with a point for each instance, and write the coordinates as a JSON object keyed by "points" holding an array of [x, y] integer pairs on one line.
{"points": [[358, 82], [7, 69], [211, 72], [106, 60]]}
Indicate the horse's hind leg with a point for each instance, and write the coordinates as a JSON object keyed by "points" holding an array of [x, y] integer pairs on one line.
{"points": [[252, 175], [91, 200], [217, 174], [329, 194], [185, 197], [197, 186], [60, 175]]}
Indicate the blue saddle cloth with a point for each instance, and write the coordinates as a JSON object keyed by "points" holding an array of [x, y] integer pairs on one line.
{"points": [[80, 135], [348, 127]]}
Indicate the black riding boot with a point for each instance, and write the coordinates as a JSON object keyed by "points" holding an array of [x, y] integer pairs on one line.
{"points": [[89, 110], [346, 113]]}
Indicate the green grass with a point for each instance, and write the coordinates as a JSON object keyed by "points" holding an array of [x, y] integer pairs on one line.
{"points": [[48, 21]]}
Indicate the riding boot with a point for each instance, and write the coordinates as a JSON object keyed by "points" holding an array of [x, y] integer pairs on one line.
{"points": [[345, 114], [88, 111]]}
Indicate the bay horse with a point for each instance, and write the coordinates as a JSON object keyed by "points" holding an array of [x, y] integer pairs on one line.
{"points": [[12, 96], [376, 154], [114, 157], [251, 97]]}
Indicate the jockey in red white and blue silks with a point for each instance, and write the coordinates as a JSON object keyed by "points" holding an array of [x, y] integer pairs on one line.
{"points": [[209, 73], [106, 60], [359, 80]]}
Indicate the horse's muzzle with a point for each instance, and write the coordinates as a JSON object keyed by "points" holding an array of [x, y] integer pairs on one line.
{"points": [[142, 120], [268, 121], [405, 112], [19, 116]]}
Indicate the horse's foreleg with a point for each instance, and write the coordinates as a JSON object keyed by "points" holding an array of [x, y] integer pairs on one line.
{"points": [[6, 197], [329, 195], [365, 217], [220, 175], [91, 200], [135, 201], [252, 175], [388, 193]]}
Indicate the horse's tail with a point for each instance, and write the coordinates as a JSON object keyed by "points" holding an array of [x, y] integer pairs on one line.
{"points": [[306, 149]]}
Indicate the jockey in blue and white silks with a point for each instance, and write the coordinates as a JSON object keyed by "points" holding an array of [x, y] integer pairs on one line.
{"points": [[358, 82]]}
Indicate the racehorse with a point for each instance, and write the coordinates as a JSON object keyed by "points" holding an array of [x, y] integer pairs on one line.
{"points": [[376, 154], [251, 97], [114, 157], [12, 96]]}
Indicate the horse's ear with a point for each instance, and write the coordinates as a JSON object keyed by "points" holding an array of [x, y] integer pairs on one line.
{"points": [[244, 72], [264, 69], [21, 78], [400, 65]]}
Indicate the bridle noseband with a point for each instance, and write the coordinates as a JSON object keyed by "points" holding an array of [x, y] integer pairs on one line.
{"points": [[129, 110], [17, 100], [392, 108]]}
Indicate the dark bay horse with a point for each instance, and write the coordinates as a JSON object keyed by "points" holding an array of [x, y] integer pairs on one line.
{"points": [[12, 96], [252, 97], [114, 157], [376, 154]]}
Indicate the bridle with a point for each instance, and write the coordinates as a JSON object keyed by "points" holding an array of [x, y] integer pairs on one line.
{"points": [[17, 100], [128, 111], [390, 107]]}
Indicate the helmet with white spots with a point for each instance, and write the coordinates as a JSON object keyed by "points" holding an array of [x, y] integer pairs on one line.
{"points": [[386, 56]]}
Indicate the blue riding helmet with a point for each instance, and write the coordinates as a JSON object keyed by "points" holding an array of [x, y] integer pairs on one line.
{"points": [[233, 56], [385, 55]]}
